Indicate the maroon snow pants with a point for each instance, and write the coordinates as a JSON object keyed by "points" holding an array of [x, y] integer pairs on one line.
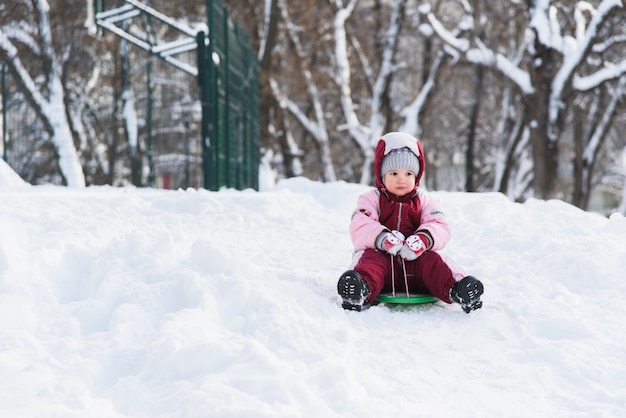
{"points": [[428, 274]]}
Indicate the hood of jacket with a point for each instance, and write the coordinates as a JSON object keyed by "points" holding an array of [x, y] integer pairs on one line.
{"points": [[397, 140]]}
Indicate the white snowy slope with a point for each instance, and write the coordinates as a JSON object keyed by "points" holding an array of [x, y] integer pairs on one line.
{"points": [[150, 303], [9, 178]]}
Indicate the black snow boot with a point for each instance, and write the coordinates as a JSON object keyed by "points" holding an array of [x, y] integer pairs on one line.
{"points": [[467, 293], [353, 290]]}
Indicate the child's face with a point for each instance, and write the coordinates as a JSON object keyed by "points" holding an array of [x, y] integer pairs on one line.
{"points": [[400, 181]]}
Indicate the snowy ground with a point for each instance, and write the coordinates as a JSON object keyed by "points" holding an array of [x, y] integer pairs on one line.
{"points": [[149, 303]]}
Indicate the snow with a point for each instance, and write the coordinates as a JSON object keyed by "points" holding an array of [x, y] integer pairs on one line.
{"points": [[131, 119], [124, 302], [9, 179]]}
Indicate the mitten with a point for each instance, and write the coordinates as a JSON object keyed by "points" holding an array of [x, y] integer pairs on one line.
{"points": [[414, 246], [390, 242]]}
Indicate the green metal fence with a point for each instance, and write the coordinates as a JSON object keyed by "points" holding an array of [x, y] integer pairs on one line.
{"points": [[231, 90]]}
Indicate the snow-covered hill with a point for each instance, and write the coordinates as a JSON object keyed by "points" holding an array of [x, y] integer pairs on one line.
{"points": [[149, 303], [9, 178]]}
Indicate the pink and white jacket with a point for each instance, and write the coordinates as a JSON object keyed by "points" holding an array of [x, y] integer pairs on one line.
{"points": [[378, 209]]}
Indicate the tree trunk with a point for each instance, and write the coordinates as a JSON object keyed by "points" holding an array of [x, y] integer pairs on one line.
{"points": [[267, 103], [470, 177], [589, 138], [543, 137], [578, 165]]}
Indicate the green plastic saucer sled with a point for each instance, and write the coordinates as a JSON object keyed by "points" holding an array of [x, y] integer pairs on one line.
{"points": [[402, 298]]}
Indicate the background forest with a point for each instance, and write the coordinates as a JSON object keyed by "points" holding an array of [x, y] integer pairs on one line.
{"points": [[521, 97]]}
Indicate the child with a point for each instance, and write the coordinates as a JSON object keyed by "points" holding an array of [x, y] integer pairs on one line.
{"points": [[396, 230]]}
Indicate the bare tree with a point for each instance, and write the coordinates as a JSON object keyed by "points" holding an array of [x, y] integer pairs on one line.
{"points": [[551, 74], [315, 126], [367, 134], [589, 136], [41, 80]]}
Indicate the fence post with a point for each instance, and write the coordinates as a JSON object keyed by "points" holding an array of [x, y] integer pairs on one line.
{"points": [[225, 77], [151, 173], [227, 132], [203, 84], [4, 112], [214, 128]]}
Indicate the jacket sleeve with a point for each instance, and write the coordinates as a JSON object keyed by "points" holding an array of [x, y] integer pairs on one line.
{"points": [[433, 221], [365, 225]]}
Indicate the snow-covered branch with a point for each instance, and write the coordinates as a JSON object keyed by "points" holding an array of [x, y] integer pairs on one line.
{"points": [[589, 82], [577, 52], [266, 26], [23, 78], [365, 136], [285, 103], [319, 132], [483, 56], [385, 72], [461, 45], [52, 109], [316, 127], [352, 124], [412, 112], [607, 116]]}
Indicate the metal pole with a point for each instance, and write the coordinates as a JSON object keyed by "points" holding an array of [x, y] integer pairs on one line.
{"points": [[151, 175], [4, 112], [203, 84], [213, 117], [228, 131]]}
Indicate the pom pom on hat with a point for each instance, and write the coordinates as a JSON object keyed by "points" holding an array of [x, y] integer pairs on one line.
{"points": [[400, 158]]}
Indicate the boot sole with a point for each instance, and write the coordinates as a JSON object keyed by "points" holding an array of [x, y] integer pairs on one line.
{"points": [[471, 293], [351, 289]]}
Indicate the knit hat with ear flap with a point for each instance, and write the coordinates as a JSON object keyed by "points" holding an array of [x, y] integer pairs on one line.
{"points": [[400, 158]]}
